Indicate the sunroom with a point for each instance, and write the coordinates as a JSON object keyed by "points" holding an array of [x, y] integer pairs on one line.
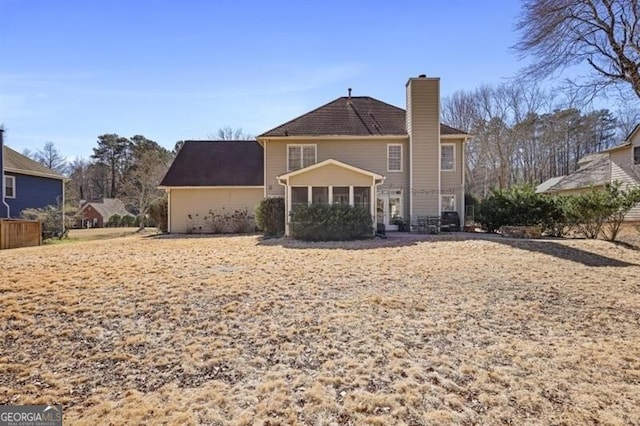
{"points": [[330, 182]]}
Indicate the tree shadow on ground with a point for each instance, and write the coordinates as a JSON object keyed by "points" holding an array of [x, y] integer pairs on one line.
{"points": [[550, 247], [561, 251]]}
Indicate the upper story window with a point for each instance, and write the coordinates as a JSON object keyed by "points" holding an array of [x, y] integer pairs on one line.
{"points": [[300, 156], [448, 157], [636, 155], [394, 157], [10, 186]]}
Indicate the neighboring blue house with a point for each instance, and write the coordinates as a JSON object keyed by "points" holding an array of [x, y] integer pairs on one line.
{"points": [[27, 183]]}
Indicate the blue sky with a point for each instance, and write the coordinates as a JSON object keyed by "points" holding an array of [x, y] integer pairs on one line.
{"points": [[173, 70]]}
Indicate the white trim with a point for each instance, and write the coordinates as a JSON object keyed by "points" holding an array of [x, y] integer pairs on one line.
{"points": [[351, 200], [264, 168], [63, 207], [301, 146], [13, 186], [309, 195], [458, 136], [30, 173], [462, 201], [455, 202], [453, 145], [330, 137], [389, 145], [168, 210], [211, 187], [330, 195], [331, 162]]}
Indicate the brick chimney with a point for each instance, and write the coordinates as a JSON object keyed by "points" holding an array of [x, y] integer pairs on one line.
{"points": [[423, 126]]}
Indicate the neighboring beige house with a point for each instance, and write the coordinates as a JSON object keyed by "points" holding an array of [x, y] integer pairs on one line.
{"points": [[353, 150], [618, 164]]}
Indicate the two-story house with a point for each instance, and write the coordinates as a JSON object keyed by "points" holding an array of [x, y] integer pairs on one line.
{"points": [[353, 150], [27, 183]]}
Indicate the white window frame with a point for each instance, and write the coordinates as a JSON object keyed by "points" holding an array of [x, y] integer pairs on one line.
{"points": [[13, 186], [389, 145], [301, 148], [455, 202], [453, 146]]}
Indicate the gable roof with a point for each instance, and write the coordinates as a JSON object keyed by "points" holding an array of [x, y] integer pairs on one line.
{"points": [[219, 163], [331, 161], [355, 116], [18, 163], [595, 170], [107, 207]]}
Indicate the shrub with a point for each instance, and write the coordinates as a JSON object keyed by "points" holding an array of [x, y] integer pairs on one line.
{"points": [[518, 206], [159, 213], [50, 217], [270, 216], [114, 221], [323, 222], [238, 221], [618, 202], [127, 220]]}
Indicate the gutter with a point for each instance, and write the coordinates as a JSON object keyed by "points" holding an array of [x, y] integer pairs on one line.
{"points": [[2, 174]]}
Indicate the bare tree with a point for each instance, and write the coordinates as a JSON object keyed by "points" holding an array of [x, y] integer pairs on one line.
{"points": [[562, 33], [49, 156], [230, 134]]}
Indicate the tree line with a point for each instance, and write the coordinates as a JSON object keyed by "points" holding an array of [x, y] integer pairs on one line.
{"points": [[522, 136]]}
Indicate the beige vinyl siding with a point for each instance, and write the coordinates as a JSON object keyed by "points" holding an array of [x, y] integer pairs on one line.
{"points": [[423, 122], [366, 153], [451, 181], [198, 201], [624, 171], [331, 175]]}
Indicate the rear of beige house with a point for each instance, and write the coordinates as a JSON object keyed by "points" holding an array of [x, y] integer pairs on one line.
{"points": [[400, 164]]}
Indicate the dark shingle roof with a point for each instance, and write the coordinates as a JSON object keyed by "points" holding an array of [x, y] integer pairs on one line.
{"points": [[360, 116], [217, 163], [18, 163]]}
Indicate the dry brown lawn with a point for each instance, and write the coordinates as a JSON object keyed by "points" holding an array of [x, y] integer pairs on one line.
{"points": [[234, 330]]}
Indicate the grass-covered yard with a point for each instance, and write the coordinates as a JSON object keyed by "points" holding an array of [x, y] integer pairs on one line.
{"points": [[233, 330]]}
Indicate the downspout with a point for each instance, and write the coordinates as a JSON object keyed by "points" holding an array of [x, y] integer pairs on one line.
{"points": [[2, 173]]}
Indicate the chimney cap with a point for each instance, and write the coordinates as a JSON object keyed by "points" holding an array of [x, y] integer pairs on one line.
{"points": [[422, 76]]}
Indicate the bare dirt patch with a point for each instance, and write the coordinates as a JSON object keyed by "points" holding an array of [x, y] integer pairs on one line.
{"points": [[234, 330]]}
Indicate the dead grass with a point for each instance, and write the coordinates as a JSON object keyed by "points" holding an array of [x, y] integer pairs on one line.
{"points": [[231, 330]]}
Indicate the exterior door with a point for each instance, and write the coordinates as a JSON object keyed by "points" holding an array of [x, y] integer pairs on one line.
{"points": [[388, 208]]}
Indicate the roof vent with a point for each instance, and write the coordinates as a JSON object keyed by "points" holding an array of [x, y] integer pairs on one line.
{"points": [[349, 90], [422, 76]]}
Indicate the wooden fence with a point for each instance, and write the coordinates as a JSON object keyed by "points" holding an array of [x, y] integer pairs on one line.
{"points": [[20, 233]]}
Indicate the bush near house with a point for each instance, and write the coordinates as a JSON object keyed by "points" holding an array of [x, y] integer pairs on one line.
{"points": [[591, 214], [517, 206], [114, 221], [323, 222], [159, 214], [51, 219], [270, 217]]}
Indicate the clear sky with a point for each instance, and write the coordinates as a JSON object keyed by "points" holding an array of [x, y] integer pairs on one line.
{"points": [[172, 70]]}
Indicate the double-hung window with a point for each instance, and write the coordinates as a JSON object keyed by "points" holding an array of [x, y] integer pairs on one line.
{"points": [[636, 155], [300, 156], [394, 157], [448, 157], [10, 186]]}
